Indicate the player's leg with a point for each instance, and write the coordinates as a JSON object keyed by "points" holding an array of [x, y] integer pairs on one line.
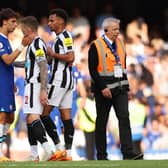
{"points": [[2, 128], [65, 109]]}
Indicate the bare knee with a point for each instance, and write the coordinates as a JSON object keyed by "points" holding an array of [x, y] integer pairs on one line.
{"points": [[10, 118], [65, 114], [32, 117], [47, 110], [2, 117]]}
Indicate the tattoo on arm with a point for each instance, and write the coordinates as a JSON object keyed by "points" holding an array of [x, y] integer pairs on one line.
{"points": [[43, 74]]}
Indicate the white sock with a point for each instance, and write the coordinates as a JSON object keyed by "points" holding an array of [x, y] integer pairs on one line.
{"points": [[34, 150], [1, 136], [6, 128], [59, 146], [47, 148], [68, 152]]}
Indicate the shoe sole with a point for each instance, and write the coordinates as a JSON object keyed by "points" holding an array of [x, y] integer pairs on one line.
{"points": [[56, 157], [65, 159]]}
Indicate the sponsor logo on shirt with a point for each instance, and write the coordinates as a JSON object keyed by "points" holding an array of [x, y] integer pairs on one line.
{"points": [[1, 47]]}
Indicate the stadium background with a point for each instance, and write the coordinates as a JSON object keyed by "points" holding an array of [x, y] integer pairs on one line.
{"points": [[155, 13]]}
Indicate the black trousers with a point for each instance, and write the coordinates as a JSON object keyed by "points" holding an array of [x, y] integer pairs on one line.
{"points": [[90, 145], [103, 105]]}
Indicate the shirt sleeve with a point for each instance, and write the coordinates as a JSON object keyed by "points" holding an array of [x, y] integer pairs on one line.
{"points": [[3, 49], [40, 52], [68, 44]]}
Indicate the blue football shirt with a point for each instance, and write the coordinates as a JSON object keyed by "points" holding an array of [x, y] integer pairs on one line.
{"points": [[7, 99]]}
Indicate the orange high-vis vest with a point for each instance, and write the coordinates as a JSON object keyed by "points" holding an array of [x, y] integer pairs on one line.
{"points": [[106, 59]]}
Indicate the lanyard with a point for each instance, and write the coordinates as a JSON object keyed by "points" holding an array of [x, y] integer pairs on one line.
{"points": [[117, 58]]}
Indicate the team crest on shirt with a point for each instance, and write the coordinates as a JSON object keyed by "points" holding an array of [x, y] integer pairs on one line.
{"points": [[68, 42], [1, 47]]}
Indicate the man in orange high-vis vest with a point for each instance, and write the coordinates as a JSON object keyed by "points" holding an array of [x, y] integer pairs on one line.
{"points": [[107, 67]]}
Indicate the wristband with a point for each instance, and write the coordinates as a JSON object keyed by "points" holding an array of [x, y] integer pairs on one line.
{"points": [[20, 47]]}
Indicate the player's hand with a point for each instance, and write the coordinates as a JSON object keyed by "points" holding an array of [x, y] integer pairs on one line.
{"points": [[50, 52], [26, 40], [43, 97]]}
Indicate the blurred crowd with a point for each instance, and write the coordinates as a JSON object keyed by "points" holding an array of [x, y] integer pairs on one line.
{"points": [[147, 62]]}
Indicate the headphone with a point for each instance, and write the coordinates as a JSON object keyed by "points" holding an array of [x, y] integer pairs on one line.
{"points": [[105, 30]]}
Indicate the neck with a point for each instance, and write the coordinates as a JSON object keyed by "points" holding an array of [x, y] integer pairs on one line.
{"points": [[4, 31], [60, 30], [109, 39], [33, 36]]}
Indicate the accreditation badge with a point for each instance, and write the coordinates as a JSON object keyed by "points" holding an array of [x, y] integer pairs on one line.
{"points": [[118, 73]]}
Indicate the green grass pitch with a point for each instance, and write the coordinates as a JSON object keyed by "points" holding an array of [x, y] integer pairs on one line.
{"points": [[89, 164]]}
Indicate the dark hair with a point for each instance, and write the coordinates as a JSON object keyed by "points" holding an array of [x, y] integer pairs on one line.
{"points": [[60, 13], [6, 14], [30, 21]]}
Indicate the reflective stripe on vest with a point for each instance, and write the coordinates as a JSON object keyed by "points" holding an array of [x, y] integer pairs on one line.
{"points": [[103, 58], [116, 84], [111, 73]]}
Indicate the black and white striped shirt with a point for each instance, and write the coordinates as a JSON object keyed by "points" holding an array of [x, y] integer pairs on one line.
{"points": [[35, 53], [61, 74]]}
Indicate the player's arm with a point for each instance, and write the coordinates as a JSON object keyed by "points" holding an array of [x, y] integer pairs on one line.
{"points": [[43, 74], [43, 80], [9, 58], [67, 57]]}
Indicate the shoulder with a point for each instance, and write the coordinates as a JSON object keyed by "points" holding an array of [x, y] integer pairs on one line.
{"points": [[65, 35], [3, 40], [38, 43], [4, 45], [94, 43], [92, 49], [66, 38]]}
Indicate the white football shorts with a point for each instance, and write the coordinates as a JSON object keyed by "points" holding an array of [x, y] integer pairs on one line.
{"points": [[31, 102], [60, 97]]}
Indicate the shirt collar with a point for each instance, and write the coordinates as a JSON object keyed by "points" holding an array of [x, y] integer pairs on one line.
{"points": [[110, 41], [3, 35], [60, 32]]}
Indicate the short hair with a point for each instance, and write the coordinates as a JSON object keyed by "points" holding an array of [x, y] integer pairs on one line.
{"points": [[6, 14], [108, 21], [60, 13], [31, 22]]}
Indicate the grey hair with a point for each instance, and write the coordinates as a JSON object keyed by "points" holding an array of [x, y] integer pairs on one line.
{"points": [[107, 22]]}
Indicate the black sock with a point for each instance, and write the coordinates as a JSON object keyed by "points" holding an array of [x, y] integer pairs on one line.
{"points": [[68, 133], [31, 136], [39, 131], [50, 128]]}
